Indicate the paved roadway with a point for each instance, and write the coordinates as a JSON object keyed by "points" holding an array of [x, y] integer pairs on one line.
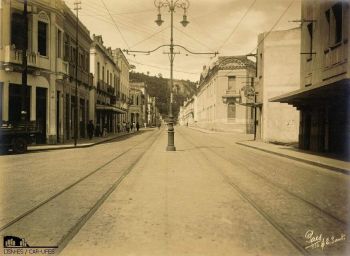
{"points": [[210, 197]]}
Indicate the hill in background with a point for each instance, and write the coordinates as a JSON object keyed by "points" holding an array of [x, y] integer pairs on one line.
{"points": [[159, 87]]}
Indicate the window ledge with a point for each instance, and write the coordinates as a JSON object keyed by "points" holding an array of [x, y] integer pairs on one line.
{"points": [[43, 56], [334, 46]]}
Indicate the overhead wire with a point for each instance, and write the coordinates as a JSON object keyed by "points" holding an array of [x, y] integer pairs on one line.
{"points": [[116, 25], [149, 37], [274, 25], [194, 39], [162, 68], [238, 24], [126, 24]]}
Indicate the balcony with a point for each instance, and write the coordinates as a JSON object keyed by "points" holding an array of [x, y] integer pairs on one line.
{"points": [[105, 88], [62, 66], [83, 76], [335, 60], [13, 55], [231, 96]]}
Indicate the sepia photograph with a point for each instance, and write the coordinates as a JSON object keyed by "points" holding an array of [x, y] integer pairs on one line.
{"points": [[174, 127]]}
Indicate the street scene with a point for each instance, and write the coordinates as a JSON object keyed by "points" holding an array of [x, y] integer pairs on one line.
{"points": [[174, 127]]}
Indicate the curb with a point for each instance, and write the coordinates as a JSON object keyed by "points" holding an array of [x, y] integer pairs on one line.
{"points": [[326, 166], [33, 149]]}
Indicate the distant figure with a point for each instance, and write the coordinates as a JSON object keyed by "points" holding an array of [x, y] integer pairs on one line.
{"points": [[133, 126], [127, 126], [145, 124], [158, 126], [104, 131], [137, 126], [97, 130], [90, 129]]}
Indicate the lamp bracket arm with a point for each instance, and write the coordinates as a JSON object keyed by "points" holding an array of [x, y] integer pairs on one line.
{"points": [[189, 51], [147, 52]]}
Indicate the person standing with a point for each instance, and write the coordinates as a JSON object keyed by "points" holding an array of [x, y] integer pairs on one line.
{"points": [[137, 126], [90, 129], [127, 127]]}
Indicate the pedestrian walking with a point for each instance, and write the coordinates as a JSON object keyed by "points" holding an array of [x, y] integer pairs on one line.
{"points": [[90, 129], [137, 126]]}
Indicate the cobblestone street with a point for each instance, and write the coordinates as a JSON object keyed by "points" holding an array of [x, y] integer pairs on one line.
{"points": [[212, 196]]}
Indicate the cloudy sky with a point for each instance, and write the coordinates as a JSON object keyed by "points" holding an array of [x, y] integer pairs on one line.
{"points": [[215, 25]]}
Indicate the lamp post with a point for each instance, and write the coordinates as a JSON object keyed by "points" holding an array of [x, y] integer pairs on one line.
{"points": [[171, 5]]}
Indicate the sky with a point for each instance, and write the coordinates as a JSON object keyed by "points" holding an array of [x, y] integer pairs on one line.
{"points": [[230, 27]]}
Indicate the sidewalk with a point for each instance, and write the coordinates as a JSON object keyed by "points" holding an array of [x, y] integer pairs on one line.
{"points": [[81, 143], [299, 155]]}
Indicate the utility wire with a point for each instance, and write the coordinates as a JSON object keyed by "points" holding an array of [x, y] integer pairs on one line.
{"points": [[123, 13], [115, 24], [131, 25], [274, 25], [189, 36], [267, 34], [237, 25], [149, 37], [161, 68]]}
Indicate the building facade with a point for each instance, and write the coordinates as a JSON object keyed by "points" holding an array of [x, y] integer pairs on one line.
{"points": [[103, 103], [151, 111], [323, 97], [84, 80], [138, 105], [219, 94], [278, 72], [50, 100], [123, 87], [187, 112]]}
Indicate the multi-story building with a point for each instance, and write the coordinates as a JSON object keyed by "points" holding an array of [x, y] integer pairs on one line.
{"points": [[84, 81], [323, 97], [103, 103], [51, 67], [138, 106], [219, 94], [187, 112], [151, 111], [278, 72], [123, 88]]}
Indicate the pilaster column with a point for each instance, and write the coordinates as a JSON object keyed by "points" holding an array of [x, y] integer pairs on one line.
{"points": [[33, 103], [5, 101]]}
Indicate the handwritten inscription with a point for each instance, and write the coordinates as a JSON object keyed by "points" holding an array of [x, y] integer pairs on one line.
{"points": [[320, 241]]}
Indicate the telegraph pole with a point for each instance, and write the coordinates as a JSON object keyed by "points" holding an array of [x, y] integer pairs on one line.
{"points": [[77, 7], [24, 63]]}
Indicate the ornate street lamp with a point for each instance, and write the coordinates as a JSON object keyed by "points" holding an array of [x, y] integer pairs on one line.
{"points": [[171, 5]]}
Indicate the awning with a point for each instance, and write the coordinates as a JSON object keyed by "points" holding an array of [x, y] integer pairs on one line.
{"points": [[109, 108], [315, 94]]}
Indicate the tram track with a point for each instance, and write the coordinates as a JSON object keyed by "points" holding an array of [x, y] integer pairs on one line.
{"points": [[279, 186], [142, 146], [248, 197]]}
